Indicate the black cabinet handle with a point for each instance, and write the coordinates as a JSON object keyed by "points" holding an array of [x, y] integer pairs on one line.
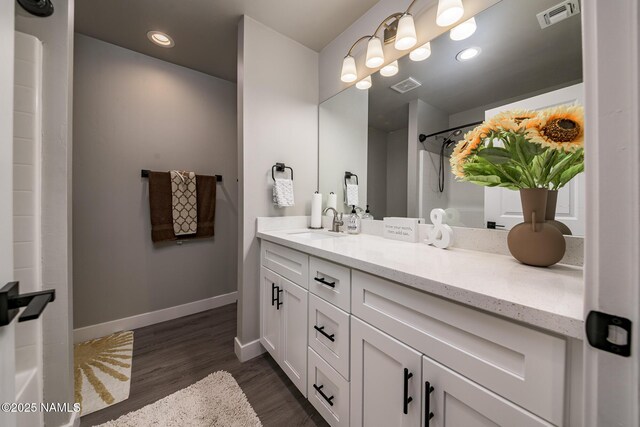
{"points": [[406, 399], [273, 294], [427, 403], [321, 330], [325, 397], [324, 282], [278, 303]]}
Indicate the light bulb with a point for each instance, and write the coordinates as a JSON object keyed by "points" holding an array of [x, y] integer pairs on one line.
{"points": [[375, 55], [467, 54], [364, 83], [449, 12], [464, 30], [421, 53], [349, 73], [406, 34], [390, 69]]}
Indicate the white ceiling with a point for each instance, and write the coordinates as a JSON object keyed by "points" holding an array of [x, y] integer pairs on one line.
{"points": [[517, 58], [205, 31]]}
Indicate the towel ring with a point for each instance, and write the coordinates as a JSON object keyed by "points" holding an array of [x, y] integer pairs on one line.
{"points": [[349, 175], [280, 167]]}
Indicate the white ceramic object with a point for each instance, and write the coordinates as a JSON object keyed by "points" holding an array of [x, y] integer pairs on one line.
{"points": [[405, 229], [441, 235]]}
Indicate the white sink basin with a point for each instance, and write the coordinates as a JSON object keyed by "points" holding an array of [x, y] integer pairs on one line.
{"points": [[316, 235]]}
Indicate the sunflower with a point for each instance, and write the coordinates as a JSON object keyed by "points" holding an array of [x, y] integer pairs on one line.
{"points": [[472, 140], [561, 128], [516, 120]]}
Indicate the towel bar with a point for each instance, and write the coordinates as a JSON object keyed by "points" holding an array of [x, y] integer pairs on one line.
{"points": [[349, 175], [280, 167], [144, 173]]}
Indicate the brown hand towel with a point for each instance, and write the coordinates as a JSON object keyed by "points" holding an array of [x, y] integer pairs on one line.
{"points": [[206, 192], [160, 206], [161, 210]]}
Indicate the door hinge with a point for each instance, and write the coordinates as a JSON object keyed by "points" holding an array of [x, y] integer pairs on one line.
{"points": [[609, 333]]}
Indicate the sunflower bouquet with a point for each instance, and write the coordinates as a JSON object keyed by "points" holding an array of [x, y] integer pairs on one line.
{"points": [[523, 149]]}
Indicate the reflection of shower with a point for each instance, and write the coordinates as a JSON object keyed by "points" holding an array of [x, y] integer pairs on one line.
{"points": [[446, 143]]}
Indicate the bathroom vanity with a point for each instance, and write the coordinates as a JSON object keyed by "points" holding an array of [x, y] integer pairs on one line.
{"points": [[376, 332]]}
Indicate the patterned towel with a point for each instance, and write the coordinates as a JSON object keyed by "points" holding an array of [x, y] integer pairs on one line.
{"points": [[352, 195], [184, 203], [283, 192]]}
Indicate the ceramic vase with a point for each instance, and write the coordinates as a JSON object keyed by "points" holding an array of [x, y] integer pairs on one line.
{"points": [[535, 242], [550, 217]]}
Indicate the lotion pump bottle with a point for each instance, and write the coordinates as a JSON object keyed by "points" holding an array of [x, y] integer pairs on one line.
{"points": [[353, 222], [367, 214]]}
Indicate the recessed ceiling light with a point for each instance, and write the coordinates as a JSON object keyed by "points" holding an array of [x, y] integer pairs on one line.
{"points": [[160, 38], [467, 54]]}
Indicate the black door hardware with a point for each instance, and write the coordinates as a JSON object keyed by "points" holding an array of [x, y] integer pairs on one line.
{"points": [[321, 330], [11, 301], [327, 398], [609, 333], [324, 282], [427, 403], [492, 225], [278, 292], [406, 399]]}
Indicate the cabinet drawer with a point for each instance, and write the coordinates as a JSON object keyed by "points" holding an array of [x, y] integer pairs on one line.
{"points": [[331, 282], [328, 392], [290, 264], [518, 363], [329, 334]]}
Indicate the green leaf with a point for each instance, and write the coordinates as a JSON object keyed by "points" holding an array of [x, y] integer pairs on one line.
{"points": [[487, 181], [569, 174], [495, 155]]}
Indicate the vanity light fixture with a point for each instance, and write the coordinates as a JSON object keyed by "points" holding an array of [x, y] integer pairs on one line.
{"points": [[449, 12], [467, 54], [364, 83], [349, 72], [421, 53], [160, 38], [375, 55], [389, 69], [464, 30], [406, 37]]}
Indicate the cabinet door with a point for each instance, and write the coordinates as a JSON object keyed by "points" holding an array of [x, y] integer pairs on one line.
{"points": [[270, 325], [456, 401], [294, 333], [386, 385]]}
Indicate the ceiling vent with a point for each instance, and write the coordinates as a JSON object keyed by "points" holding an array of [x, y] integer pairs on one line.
{"points": [[406, 85], [558, 13]]}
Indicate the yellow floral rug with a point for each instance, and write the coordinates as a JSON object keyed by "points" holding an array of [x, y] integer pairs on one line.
{"points": [[102, 371]]}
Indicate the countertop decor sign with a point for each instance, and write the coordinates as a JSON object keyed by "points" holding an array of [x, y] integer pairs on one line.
{"points": [[536, 153]]}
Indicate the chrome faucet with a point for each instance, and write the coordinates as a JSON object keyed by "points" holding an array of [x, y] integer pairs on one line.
{"points": [[337, 219]]}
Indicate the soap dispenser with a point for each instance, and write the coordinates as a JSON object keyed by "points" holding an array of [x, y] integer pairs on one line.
{"points": [[353, 222], [367, 214]]}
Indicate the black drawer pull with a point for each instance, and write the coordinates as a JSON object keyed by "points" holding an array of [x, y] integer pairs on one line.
{"points": [[321, 330], [327, 398], [278, 292], [324, 282], [427, 403], [406, 399]]}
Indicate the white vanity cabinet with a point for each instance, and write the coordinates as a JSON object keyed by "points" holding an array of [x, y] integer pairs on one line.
{"points": [[370, 352], [283, 314]]}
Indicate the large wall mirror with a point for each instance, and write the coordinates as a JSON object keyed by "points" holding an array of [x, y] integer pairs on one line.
{"points": [[397, 136]]}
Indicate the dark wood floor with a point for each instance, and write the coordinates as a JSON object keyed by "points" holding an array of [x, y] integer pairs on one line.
{"points": [[172, 355]]}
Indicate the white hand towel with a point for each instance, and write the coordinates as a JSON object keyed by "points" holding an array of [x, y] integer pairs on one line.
{"points": [[352, 195], [184, 203], [283, 192]]}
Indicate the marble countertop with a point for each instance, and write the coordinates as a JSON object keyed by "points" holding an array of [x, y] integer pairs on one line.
{"points": [[549, 298]]}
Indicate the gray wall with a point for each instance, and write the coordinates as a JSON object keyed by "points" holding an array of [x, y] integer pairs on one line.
{"points": [[277, 122], [56, 34], [396, 173], [135, 112], [377, 173]]}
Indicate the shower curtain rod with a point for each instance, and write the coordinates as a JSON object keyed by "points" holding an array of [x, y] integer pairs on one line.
{"points": [[451, 130]]}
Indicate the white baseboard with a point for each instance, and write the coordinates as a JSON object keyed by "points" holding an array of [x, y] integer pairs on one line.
{"points": [[146, 319], [247, 351]]}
